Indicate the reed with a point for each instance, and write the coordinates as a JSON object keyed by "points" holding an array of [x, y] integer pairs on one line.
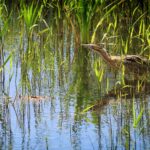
{"points": [[83, 12], [30, 15], [4, 21], [136, 119], [136, 28], [99, 72], [105, 16]]}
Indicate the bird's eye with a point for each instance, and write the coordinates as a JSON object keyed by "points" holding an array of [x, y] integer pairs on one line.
{"points": [[91, 46]]}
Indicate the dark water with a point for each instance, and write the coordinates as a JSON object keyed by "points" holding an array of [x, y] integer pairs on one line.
{"points": [[58, 70]]}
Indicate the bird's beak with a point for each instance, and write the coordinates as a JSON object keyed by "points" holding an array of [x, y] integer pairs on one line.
{"points": [[93, 47], [86, 45]]}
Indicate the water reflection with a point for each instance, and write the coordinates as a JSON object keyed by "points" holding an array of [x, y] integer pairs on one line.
{"points": [[62, 74]]}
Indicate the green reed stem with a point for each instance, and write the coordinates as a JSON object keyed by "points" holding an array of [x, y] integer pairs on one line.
{"points": [[136, 119]]}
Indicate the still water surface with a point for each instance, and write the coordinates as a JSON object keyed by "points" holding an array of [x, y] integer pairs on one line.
{"points": [[62, 75]]}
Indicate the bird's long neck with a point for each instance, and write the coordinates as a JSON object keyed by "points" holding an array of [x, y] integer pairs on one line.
{"points": [[107, 58], [104, 54]]}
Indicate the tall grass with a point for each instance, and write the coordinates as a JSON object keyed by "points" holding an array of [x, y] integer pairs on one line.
{"points": [[129, 26], [83, 12], [136, 119], [30, 15], [4, 20], [99, 17], [99, 72]]}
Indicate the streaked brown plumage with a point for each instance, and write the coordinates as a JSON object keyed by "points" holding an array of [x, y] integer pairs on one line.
{"points": [[116, 61]]}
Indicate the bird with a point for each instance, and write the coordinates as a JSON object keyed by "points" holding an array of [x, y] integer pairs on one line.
{"points": [[117, 61]]}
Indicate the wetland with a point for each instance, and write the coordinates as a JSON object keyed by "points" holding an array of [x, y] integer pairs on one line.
{"points": [[54, 93]]}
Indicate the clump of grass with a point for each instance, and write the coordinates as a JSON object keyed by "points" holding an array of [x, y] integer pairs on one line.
{"points": [[100, 23], [30, 15], [83, 12]]}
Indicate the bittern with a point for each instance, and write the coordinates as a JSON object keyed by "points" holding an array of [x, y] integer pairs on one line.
{"points": [[116, 61]]}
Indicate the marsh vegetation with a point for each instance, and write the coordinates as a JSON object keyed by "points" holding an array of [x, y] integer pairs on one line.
{"points": [[55, 93]]}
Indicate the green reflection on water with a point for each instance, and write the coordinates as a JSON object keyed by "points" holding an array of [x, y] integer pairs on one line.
{"points": [[50, 62]]}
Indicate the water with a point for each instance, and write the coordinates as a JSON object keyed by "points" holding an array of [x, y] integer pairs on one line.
{"points": [[62, 74]]}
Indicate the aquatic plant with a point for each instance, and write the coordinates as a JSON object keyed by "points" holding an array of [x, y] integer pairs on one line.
{"points": [[99, 72], [4, 20], [136, 22], [30, 15], [5, 61], [84, 12], [136, 119], [108, 12]]}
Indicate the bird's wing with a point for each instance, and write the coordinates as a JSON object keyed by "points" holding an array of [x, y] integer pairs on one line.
{"points": [[135, 59]]}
